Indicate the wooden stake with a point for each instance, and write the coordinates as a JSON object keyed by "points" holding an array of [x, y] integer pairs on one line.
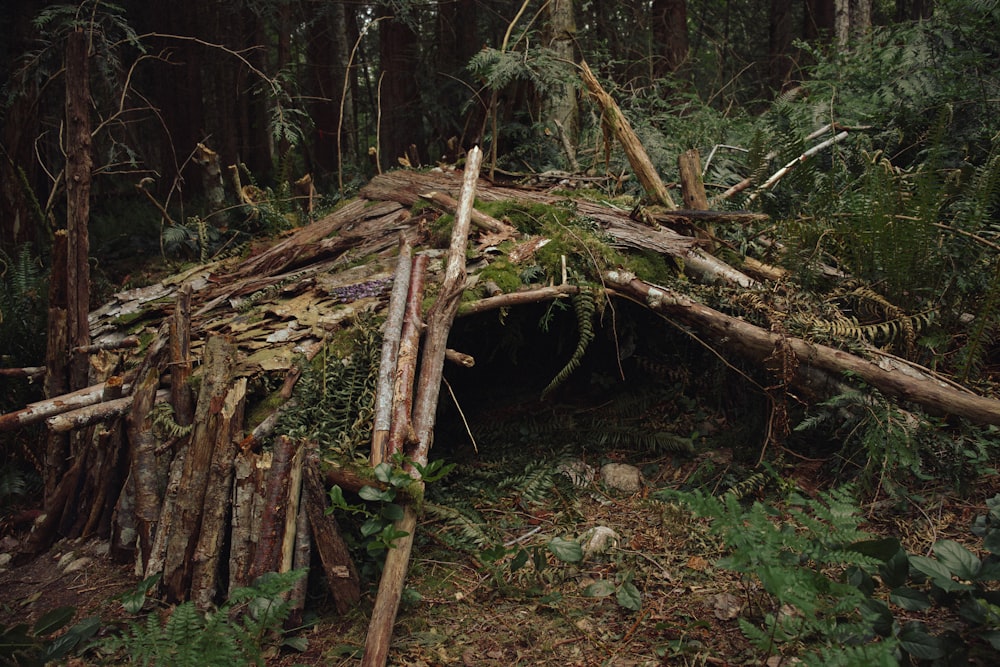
{"points": [[439, 321]]}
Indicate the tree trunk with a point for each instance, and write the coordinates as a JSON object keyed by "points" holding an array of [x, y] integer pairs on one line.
{"points": [[780, 43], [399, 101], [560, 105], [79, 163], [670, 34]]}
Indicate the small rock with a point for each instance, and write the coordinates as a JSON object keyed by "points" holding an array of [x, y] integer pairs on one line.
{"points": [[578, 472], [78, 564], [65, 560], [598, 540], [621, 477], [727, 606], [5, 559]]}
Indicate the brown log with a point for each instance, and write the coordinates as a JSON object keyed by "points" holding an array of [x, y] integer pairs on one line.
{"points": [[439, 321], [448, 204], [56, 360], [292, 511], [612, 116], [180, 358], [39, 411], [390, 352], [43, 533], [693, 189], [401, 424], [87, 416], [517, 299], [79, 164], [219, 362], [248, 504], [759, 344], [108, 475], [267, 556], [459, 358], [218, 496], [31, 373], [341, 573], [123, 344], [301, 561], [143, 456]]}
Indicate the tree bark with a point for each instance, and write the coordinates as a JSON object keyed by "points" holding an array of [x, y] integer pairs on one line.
{"points": [[56, 358], [79, 164], [144, 477], [248, 504], [670, 34], [401, 424], [180, 358], [561, 107], [267, 555], [219, 361]]}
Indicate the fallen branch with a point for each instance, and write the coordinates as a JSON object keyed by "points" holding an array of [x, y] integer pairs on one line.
{"points": [[759, 344], [613, 118], [42, 410], [778, 175]]}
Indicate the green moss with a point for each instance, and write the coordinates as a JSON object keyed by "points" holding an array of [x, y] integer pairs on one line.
{"points": [[503, 273], [263, 410], [651, 266]]}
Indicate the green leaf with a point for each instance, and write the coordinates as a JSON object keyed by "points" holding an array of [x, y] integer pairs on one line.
{"points": [[519, 560], [371, 527], [392, 512], [568, 551], [963, 563], [299, 643], [938, 573], [992, 541], [370, 493], [53, 620], [896, 570], [383, 472], [629, 596], [133, 601], [599, 589], [913, 639], [909, 599], [883, 549], [72, 638]]}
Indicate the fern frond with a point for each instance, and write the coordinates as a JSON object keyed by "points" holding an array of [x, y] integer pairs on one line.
{"points": [[535, 483], [465, 523], [584, 307]]}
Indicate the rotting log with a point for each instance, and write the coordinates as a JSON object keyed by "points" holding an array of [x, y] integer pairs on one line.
{"points": [[292, 503], [759, 344], [340, 570], [390, 351], [218, 496], [448, 204], [614, 119], [87, 416], [180, 358], [247, 503], [439, 321], [143, 458], [693, 189], [267, 555], [178, 562]]}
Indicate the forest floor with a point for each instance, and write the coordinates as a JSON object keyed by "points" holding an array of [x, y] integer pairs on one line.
{"points": [[461, 609]]}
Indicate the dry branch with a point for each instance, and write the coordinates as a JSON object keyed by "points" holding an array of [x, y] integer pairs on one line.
{"points": [[760, 344], [439, 321], [641, 164], [390, 351], [401, 424]]}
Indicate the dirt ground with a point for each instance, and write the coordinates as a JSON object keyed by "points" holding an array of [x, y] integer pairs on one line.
{"points": [[462, 610]]}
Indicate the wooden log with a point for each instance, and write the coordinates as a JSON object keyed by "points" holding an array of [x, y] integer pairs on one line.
{"points": [[267, 555], [128, 342], [87, 416], [448, 204], [759, 344], [219, 362], [143, 457], [401, 427], [439, 321], [512, 299], [614, 119], [218, 496], [43, 533], [109, 475], [79, 165], [248, 503], [292, 511], [180, 358], [390, 352], [693, 190], [341, 572], [30, 373], [300, 561]]}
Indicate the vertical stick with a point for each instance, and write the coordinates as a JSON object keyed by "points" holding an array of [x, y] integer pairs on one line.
{"points": [[693, 188], [428, 388], [180, 358], [390, 350]]}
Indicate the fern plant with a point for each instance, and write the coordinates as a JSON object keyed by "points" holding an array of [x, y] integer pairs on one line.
{"points": [[236, 633], [800, 556]]}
